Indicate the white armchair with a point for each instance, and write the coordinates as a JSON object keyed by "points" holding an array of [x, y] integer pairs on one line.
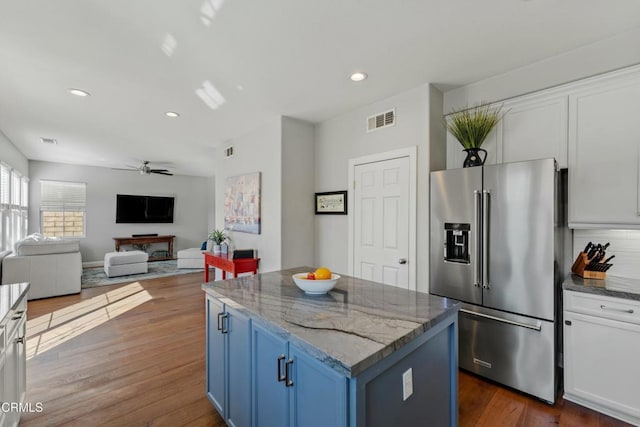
{"points": [[52, 266]]}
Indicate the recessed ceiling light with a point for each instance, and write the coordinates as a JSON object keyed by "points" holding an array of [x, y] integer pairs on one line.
{"points": [[172, 114], [358, 76], [48, 140], [79, 92]]}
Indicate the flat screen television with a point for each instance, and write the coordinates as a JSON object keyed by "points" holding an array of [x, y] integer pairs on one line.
{"points": [[140, 209]]}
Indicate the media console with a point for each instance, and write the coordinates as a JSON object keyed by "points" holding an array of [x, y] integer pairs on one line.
{"points": [[147, 240]]}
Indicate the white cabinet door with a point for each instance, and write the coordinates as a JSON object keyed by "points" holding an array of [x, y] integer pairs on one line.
{"points": [[601, 368], [535, 129], [603, 155]]}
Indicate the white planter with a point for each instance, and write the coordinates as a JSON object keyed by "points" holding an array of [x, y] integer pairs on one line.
{"points": [[217, 249]]}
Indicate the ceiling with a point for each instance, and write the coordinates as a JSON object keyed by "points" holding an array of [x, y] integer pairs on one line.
{"points": [[254, 60]]}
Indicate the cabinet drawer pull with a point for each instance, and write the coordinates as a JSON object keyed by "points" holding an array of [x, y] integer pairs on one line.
{"points": [[17, 317], [20, 340], [225, 325], [280, 376], [287, 373], [621, 310]]}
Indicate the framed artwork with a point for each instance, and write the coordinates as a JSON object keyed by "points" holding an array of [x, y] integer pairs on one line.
{"points": [[242, 203], [331, 203]]}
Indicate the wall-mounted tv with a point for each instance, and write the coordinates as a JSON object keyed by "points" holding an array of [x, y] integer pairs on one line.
{"points": [[140, 209]]}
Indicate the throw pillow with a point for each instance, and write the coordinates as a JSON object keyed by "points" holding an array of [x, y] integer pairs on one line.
{"points": [[204, 246]]}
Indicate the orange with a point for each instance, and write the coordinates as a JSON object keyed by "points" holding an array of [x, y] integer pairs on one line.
{"points": [[323, 273]]}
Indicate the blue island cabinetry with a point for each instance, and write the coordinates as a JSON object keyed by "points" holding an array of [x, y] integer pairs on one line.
{"points": [[292, 389], [365, 354], [289, 388], [229, 362]]}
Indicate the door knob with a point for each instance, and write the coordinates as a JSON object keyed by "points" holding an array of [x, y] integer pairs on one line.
{"points": [[402, 261]]}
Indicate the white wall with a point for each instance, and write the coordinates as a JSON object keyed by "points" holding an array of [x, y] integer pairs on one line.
{"points": [[596, 58], [12, 156], [258, 151], [297, 193], [191, 208], [345, 137]]}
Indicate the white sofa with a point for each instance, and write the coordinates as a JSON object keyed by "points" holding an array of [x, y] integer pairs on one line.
{"points": [[52, 266]]}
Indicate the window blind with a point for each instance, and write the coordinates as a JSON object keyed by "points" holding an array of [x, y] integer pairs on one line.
{"points": [[63, 196], [24, 194], [5, 174], [15, 189]]}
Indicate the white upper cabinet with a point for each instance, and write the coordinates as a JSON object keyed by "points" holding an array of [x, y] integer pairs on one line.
{"points": [[604, 139], [535, 129]]}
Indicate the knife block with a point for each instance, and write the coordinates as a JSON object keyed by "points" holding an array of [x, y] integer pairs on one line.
{"points": [[580, 265]]}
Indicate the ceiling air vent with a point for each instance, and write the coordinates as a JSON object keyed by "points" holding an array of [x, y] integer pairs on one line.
{"points": [[381, 120], [49, 140], [228, 152]]}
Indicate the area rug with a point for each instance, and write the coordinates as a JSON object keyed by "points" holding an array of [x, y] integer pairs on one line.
{"points": [[95, 276]]}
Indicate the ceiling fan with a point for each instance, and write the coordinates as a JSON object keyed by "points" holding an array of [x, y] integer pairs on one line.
{"points": [[145, 169]]}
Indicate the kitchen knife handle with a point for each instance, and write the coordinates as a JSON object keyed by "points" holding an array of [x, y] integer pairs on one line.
{"points": [[477, 205], [486, 199]]}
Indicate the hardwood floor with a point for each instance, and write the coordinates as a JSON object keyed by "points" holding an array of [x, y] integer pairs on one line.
{"points": [[484, 403], [122, 355], [133, 355]]}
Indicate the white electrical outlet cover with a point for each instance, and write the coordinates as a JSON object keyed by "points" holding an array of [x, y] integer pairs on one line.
{"points": [[407, 384]]}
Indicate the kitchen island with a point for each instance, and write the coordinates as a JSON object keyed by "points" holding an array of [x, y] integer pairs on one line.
{"points": [[363, 354]]}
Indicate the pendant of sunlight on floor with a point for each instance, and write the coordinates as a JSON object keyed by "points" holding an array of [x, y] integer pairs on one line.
{"points": [[51, 330]]}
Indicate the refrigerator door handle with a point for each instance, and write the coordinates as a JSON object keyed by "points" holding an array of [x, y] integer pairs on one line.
{"points": [[536, 327], [485, 238], [477, 203]]}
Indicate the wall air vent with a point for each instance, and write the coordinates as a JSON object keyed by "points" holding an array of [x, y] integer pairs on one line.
{"points": [[48, 140], [382, 120], [228, 152]]}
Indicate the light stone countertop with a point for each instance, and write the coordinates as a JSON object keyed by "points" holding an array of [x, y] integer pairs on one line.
{"points": [[612, 286], [9, 297], [349, 329]]}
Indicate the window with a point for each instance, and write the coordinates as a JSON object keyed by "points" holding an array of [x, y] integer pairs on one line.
{"points": [[62, 211], [14, 206]]}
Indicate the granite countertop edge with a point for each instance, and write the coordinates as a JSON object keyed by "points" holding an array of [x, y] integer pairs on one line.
{"points": [[617, 287]]}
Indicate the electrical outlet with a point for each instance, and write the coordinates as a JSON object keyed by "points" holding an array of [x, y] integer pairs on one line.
{"points": [[407, 384]]}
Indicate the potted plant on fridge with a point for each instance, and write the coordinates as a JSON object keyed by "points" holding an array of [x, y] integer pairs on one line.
{"points": [[471, 127], [219, 237]]}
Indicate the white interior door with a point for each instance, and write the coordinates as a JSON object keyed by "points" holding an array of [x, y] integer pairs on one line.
{"points": [[381, 221]]}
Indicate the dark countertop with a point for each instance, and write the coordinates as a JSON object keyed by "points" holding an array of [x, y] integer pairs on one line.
{"points": [[9, 297], [351, 328], [612, 286]]}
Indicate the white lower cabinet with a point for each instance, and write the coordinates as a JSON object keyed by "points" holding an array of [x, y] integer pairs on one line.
{"points": [[601, 351], [13, 362]]}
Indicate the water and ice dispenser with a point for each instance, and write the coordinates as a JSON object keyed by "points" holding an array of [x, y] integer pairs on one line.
{"points": [[457, 242]]}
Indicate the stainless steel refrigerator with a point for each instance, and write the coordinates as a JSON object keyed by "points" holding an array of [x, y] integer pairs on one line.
{"points": [[496, 245]]}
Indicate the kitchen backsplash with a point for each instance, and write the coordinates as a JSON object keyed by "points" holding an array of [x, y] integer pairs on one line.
{"points": [[625, 245]]}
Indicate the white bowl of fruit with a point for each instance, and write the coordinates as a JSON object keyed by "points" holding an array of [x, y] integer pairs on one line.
{"points": [[317, 282]]}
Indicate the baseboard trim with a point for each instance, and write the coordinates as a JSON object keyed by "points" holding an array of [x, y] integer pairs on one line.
{"points": [[90, 264]]}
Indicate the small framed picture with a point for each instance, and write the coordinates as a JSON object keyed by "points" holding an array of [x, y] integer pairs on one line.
{"points": [[331, 203]]}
